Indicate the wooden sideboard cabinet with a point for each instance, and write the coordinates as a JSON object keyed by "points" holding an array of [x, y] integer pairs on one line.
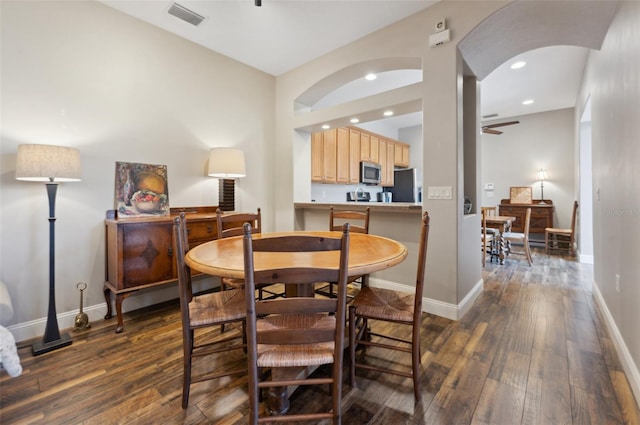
{"points": [[139, 251], [541, 214]]}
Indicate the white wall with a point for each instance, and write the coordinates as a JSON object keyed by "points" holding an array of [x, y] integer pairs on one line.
{"points": [[513, 158], [84, 75], [612, 82]]}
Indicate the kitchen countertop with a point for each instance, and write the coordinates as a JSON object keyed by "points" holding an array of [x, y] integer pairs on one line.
{"points": [[395, 207]]}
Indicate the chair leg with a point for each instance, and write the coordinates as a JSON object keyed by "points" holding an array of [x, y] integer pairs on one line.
{"points": [[352, 346], [186, 369], [415, 361]]}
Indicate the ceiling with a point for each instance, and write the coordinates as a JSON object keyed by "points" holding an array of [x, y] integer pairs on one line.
{"points": [[283, 34]]}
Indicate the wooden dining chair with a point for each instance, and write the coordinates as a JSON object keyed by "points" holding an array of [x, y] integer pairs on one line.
{"points": [[229, 225], [377, 304], [199, 312], [487, 239], [297, 331], [359, 223], [562, 240], [519, 238]]}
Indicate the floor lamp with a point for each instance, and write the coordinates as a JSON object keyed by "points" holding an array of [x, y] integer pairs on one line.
{"points": [[226, 164], [50, 164]]}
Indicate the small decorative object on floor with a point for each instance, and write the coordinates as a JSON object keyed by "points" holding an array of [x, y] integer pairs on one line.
{"points": [[82, 320], [9, 359]]}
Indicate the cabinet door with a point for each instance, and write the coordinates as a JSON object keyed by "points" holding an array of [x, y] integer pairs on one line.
{"points": [[329, 140], [342, 155], [375, 149], [365, 147], [401, 155], [391, 154], [354, 156], [147, 253], [317, 158], [382, 154]]}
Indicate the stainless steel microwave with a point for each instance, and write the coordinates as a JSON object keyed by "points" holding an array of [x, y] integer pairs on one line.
{"points": [[370, 172]]}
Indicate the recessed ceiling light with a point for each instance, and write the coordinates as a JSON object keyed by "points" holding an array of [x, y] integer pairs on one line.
{"points": [[518, 65], [527, 102], [388, 113], [354, 120], [326, 126], [371, 76]]}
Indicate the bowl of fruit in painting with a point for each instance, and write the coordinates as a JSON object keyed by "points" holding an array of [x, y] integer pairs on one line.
{"points": [[147, 201]]}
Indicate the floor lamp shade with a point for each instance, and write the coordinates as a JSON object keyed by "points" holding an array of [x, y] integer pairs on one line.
{"points": [[50, 164], [226, 164]]}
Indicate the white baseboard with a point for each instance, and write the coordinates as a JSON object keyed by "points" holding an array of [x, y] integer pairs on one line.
{"points": [[439, 308], [630, 368]]}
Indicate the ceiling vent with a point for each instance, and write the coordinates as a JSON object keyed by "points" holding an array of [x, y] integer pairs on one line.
{"points": [[185, 14]]}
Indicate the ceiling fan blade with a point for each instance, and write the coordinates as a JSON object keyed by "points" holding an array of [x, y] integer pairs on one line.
{"points": [[490, 131], [501, 124]]}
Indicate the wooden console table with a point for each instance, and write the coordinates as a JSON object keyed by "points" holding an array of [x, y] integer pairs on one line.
{"points": [[139, 251], [541, 214]]}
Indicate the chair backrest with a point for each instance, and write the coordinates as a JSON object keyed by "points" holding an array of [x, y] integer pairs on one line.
{"points": [[361, 224], [573, 218], [489, 210], [295, 275], [422, 265], [231, 224]]}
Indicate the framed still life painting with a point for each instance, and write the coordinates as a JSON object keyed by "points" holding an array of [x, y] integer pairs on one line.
{"points": [[141, 190]]}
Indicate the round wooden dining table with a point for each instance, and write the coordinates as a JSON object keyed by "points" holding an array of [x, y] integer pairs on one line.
{"points": [[367, 254], [225, 258]]}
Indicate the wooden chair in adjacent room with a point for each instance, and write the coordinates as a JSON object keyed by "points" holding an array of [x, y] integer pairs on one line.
{"points": [[359, 223], [231, 225], [199, 312], [562, 240], [377, 304], [487, 239], [518, 238], [295, 332]]}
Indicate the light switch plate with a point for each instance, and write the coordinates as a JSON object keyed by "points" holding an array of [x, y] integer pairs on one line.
{"points": [[439, 192]]}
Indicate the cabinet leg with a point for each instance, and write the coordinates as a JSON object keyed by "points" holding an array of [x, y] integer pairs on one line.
{"points": [[119, 299], [107, 297]]}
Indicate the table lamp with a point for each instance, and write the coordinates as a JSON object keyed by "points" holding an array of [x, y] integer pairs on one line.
{"points": [[542, 176], [226, 164], [50, 164]]}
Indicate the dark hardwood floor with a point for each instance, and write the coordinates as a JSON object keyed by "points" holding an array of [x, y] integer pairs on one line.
{"points": [[533, 350]]}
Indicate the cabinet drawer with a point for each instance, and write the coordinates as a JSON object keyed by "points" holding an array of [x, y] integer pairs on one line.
{"points": [[204, 230]]}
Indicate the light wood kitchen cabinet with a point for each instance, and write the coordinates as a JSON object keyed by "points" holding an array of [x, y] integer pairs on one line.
{"points": [[336, 155], [324, 166], [386, 155], [342, 155], [354, 156], [365, 147], [401, 156]]}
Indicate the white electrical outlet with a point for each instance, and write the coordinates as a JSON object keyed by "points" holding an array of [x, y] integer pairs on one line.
{"points": [[617, 283]]}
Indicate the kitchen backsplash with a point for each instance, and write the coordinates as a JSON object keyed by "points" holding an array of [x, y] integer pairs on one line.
{"points": [[327, 193]]}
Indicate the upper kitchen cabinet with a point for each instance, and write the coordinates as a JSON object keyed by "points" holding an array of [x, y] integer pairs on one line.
{"points": [[342, 155], [324, 164], [401, 155], [336, 155], [387, 161], [354, 156]]}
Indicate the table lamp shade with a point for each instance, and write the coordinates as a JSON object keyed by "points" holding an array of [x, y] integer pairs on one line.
{"points": [[542, 175], [226, 163], [47, 163]]}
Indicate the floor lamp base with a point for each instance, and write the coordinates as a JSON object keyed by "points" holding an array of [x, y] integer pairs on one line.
{"points": [[42, 347]]}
